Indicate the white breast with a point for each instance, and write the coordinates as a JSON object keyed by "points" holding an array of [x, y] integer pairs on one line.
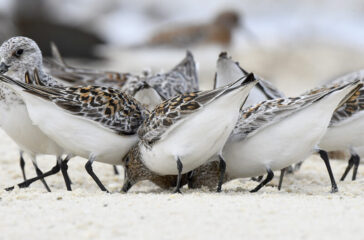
{"points": [[15, 121], [77, 135], [195, 139], [346, 135], [284, 143]]}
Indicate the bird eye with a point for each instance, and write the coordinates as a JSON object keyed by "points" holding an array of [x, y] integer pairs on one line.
{"points": [[18, 52]]}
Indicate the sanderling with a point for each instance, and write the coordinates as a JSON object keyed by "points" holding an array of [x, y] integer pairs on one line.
{"points": [[97, 123], [217, 31], [228, 70], [288, 129], [346, 128], [19, 55], [184, 132], [147, 89]]}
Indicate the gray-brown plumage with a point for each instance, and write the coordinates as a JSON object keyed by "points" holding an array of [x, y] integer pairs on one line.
{"points": [[59, 69], [136, 171], [208, 175], [180, 79]]}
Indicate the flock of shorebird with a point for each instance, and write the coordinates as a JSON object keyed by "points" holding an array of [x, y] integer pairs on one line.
{"points": [[163, 129]]}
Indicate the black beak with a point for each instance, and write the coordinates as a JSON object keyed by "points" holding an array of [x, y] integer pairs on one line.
{"points": [[127, 185], [3, 68]]}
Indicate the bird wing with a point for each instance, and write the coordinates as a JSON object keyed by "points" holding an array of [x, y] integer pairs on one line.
{"points": [[108, 107], [266, 113], [167, 114], [350, 108], [181, 79]]}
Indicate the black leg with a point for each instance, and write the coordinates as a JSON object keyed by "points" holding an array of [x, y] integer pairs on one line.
{"points": [[90, 171], [27, 183], [325, 157], [356, 166], [189, 180], [297, 166], [265, 181], [22, 165], [126, 186], [350, 165], [40, 173], [281, 178], [222, 173], [179, 168], [64, 168], [116, 171]]}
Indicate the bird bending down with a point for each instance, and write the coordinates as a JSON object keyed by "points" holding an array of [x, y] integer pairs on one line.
{"points": [[182, 133], [292, 127], [96, 123]]}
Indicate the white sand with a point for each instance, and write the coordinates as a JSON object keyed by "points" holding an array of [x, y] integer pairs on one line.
{"points": [[303, 209]]}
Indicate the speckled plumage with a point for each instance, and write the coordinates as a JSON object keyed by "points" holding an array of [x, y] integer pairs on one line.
{"points": [[109, 107], [182, 133], [181, 79], [166, 114], [258, 125], [352, 106], [93, 122], [271, 111], [207, 175]]}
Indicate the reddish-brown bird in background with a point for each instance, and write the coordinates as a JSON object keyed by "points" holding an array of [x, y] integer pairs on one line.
{"points": [[219, 31]]}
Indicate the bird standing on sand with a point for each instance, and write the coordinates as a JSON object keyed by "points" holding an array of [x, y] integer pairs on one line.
{"points": [[96, 123], [277, 133], [346, 129], [19, 55], [182, 133]]}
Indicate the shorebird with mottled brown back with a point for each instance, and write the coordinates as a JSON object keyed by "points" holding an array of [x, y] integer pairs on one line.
{"points": [[276, 133]]}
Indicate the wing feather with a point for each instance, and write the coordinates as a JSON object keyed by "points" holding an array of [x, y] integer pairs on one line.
{"points": [[108, 107]]}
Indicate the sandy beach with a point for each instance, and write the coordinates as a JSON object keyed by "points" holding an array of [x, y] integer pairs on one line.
{"points": [[303, 209], [298, 46]]}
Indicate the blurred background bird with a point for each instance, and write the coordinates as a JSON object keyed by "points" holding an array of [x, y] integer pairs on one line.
{"points": [[217, 31]]}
